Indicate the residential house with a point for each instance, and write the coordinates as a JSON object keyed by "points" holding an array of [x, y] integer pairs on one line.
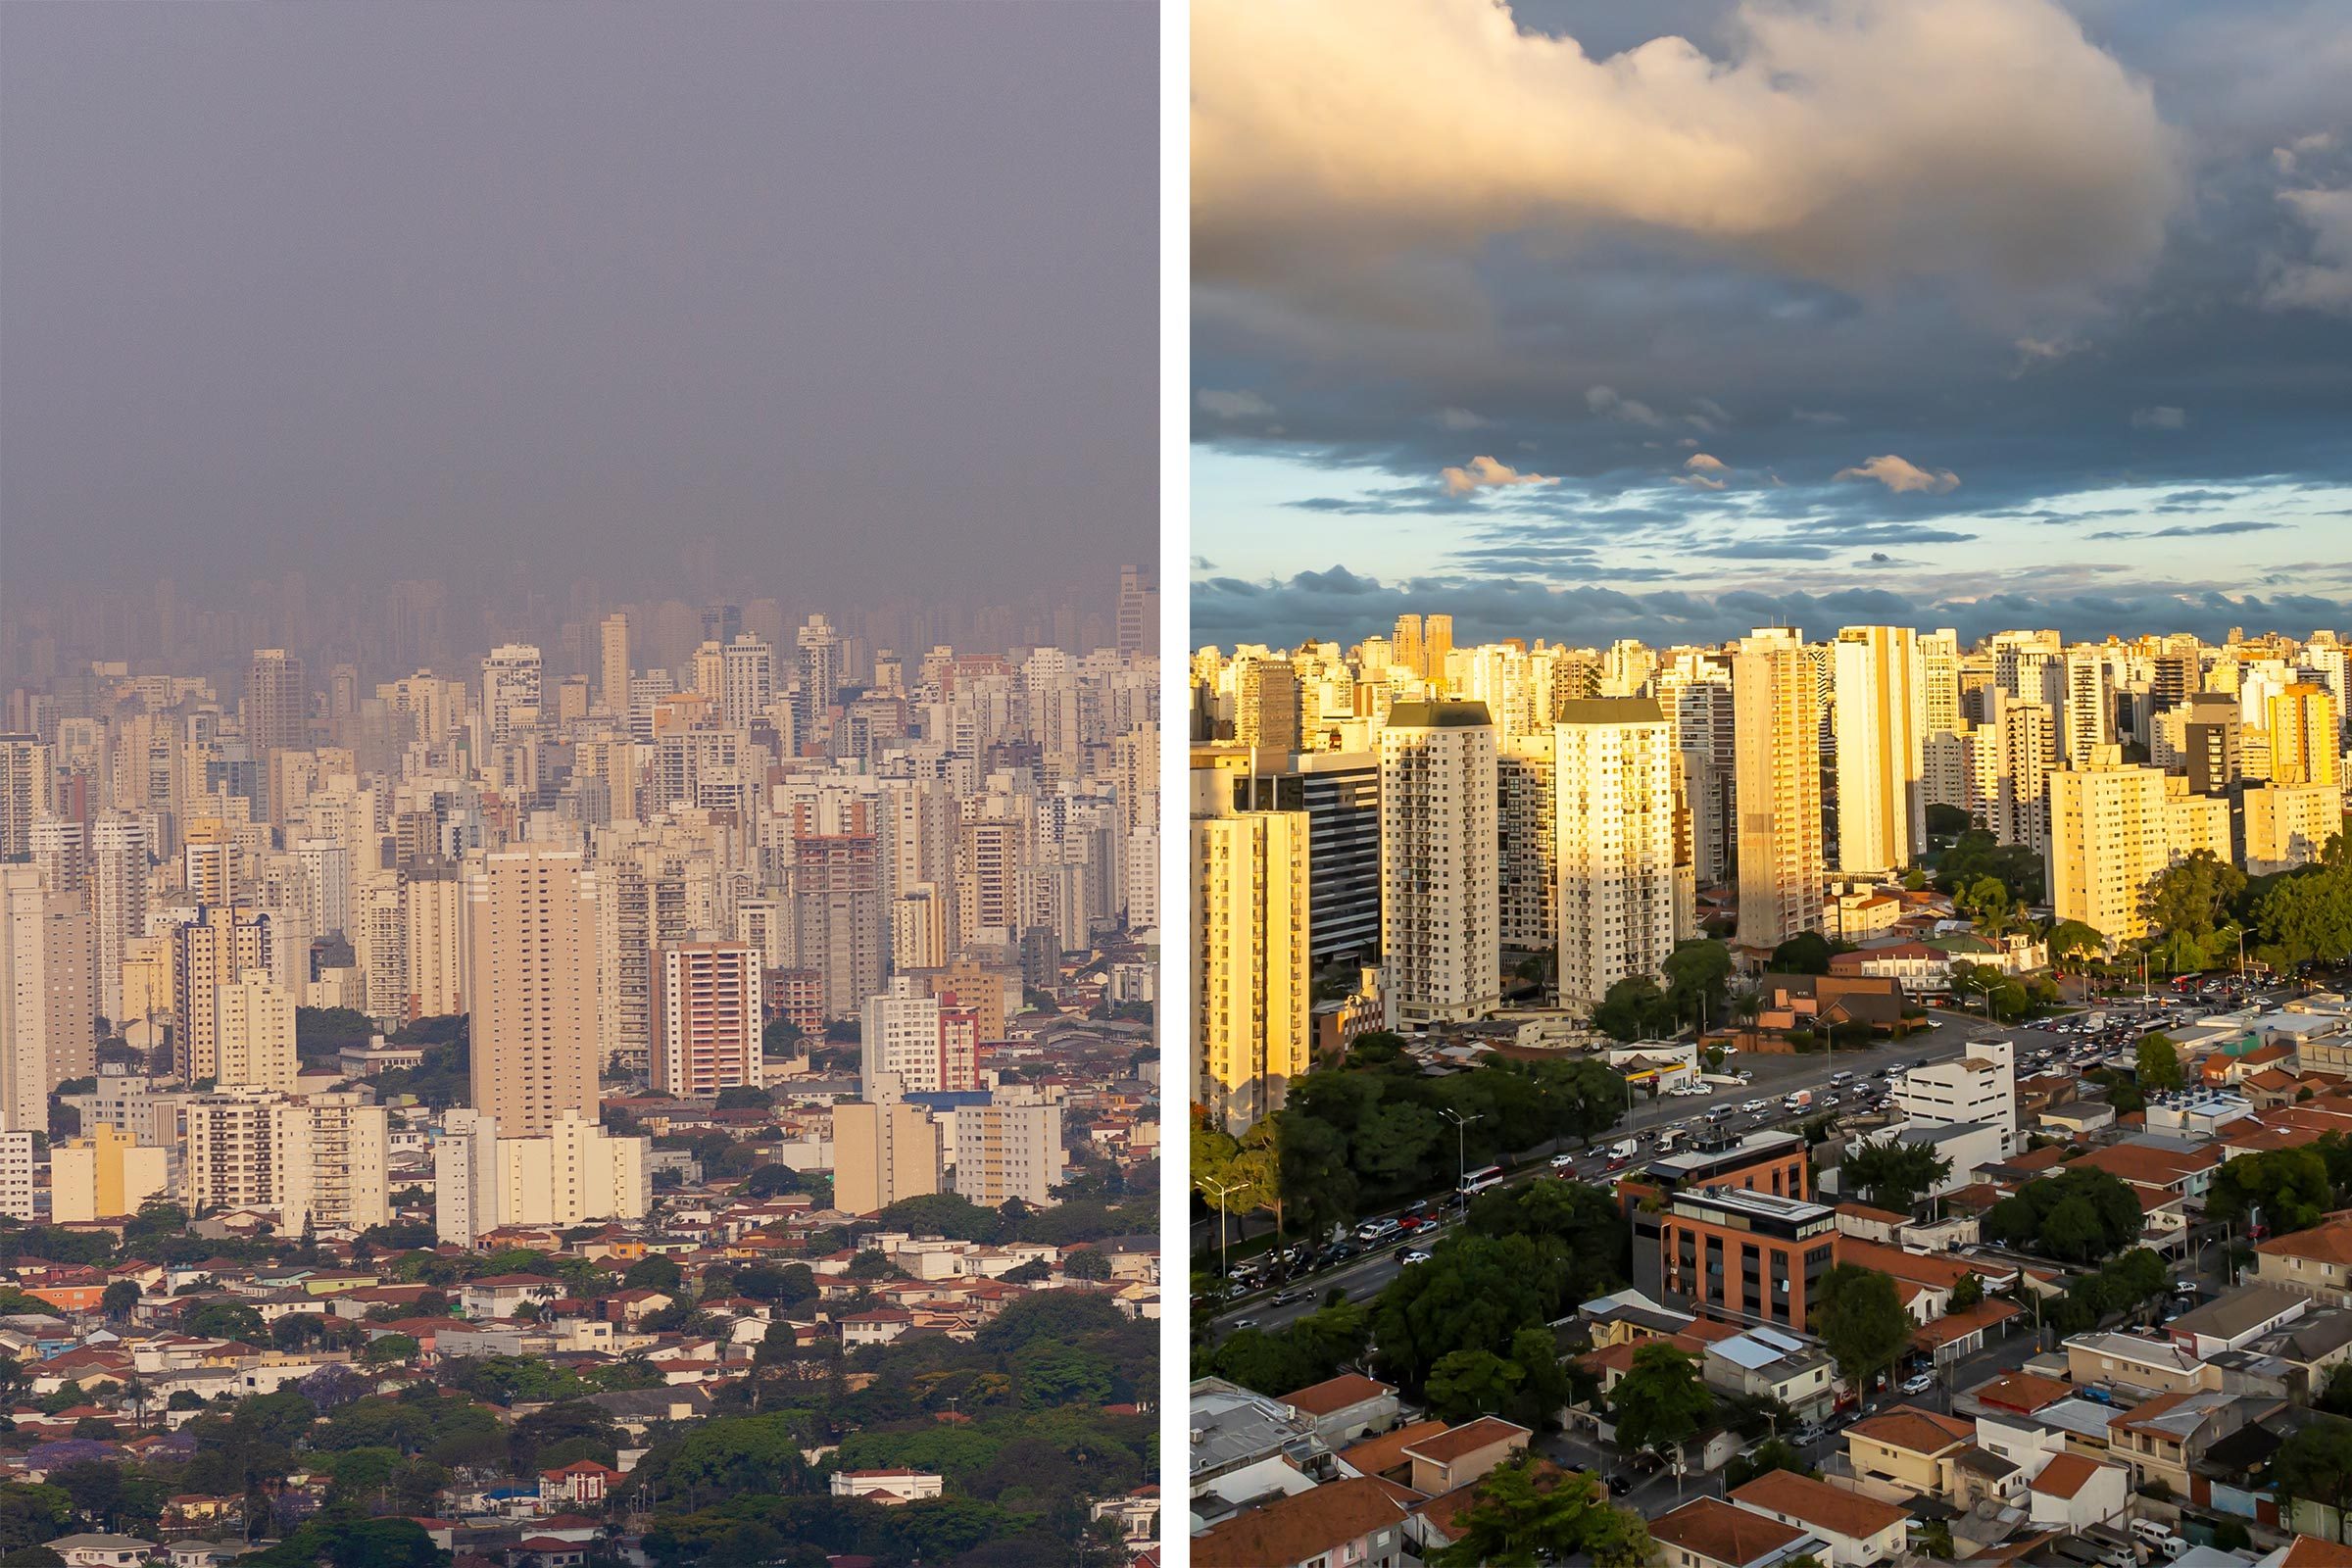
{"points": [[1856, 1530], [1343, 1409], [1710, 1532], [1358, 1521]]}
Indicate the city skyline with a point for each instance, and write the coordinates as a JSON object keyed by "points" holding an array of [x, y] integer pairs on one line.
{"points": [[1673, 339]]}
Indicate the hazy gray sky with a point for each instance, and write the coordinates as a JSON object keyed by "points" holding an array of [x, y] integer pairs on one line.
{"points": [[868, 292]]}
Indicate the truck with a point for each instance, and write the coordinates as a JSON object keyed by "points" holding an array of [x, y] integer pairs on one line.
{"points": [[2096, 1020], [1799, 1099]]}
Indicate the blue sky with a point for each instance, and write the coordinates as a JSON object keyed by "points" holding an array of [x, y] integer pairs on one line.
{"points": [[1590, 320]]}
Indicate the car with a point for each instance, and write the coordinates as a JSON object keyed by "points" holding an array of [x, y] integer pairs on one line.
{"points": [[1241, 1323], [1411, 1256], [1619, 1485], [1919, 1384], [1806, 1435], [1563, 1162], [1752, 1106]]}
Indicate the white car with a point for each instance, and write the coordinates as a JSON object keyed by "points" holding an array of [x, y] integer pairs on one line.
{"points": [[1920, 1383], [1563, 1163], [1753, 1105], [1701, 1090], [1412, 1254]]}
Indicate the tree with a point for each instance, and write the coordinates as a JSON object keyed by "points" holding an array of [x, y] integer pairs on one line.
{"points": [[1316, 1181], [2073, 941], [2077, 1214], [1770, 1455], [120, 1299], [2159, 1068], [1968, 1291], [1806, 952], [387, 1348], [1088, 1264], [1527, 1511], [2186, 903], [741, 1097], [1466, 1384], [1634, 1009], [2315, 1462], [1860, 1320], [1893, 1174], [2293, 1187], [1697, 972], [652, 1273], [1660, 1403]]}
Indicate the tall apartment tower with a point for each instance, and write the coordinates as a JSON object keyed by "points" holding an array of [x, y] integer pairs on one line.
{"points": [[1251, 1029], [2025, 745], [1265, 706], [26, 790], [253, 1033], [530, 983], [911, 1038], [511, 685], [883, 1150], [277, 703], [1436, 641], [1879, 714], [2089, 715], [613, 663], [707, 1014], [747, 680], [1775, 716], [120, 849], [1139, 613], [209, 954], [1440, 864], [2305, 747], [2215, 735], [48, 996], [817, 650], [1614, 809], [1408, 650], [1939, 681]]}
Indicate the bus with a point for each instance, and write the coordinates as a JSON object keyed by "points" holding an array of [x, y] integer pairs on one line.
{"points": [[1478, 1181]]}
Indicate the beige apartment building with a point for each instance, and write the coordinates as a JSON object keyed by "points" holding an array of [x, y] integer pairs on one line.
{"points": [[104, 1175], [1614, 805], [209, 954], [1440, 864], [253, 1029], [2113, 826], [1009, 1147], [332, 1155], [883, 1149], [2288, 825], [1879, 715], [1776, 708], [530, 982], [1253, 1033]]}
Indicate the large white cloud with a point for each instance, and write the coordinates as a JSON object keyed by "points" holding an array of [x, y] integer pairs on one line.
{"points": [[1855, 141]]}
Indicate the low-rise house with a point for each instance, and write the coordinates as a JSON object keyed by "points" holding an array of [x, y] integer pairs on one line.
{"points": [[1343, 1409], [889, 1486], [1766, 1362], [2161, 1439], [101, 1551], [1356, 1521], [1908, 1451], [1856, 1530], [1710, 1532], [1463, 1455], [2236, 1319], [2315, 1262], [2138, 1364], [2074, 1492]]}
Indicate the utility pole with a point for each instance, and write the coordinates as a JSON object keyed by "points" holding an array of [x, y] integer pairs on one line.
{"points": [[1222, 1192]]}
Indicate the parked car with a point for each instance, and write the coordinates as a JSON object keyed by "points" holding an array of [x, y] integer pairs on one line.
{"points": [[1919, 1384]]}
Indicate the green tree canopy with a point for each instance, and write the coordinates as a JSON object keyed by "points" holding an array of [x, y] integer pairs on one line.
{"points": [[1860, 1320], [1892, 1174], [1660, 1403]]}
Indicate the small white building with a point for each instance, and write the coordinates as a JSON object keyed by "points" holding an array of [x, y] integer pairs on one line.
{"points": [[887, 1487]]}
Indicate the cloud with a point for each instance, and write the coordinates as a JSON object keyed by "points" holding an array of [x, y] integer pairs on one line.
{"points": [[2024, 154], [1605, 401], [1485, 473], [1705, 471], [2325, 282], [2163, 416], [1902, 476], [1459, 419], [1706, 461], [1234, 405]]}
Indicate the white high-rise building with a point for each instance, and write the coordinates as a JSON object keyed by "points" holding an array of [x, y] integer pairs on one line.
{"points": [[510, 692], [1979, 1089], [120, 854], [746, 682], [332, 1157], [2089, 703], [327, 871], [906, 1034], [1879, 717], [253, 1031], [1614, 803], [1440, 864], [1776, 708], [709, 1016]]}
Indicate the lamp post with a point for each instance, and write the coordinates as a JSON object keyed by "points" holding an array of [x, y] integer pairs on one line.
{"points": [[1462, 1136], [1223, 1191]]}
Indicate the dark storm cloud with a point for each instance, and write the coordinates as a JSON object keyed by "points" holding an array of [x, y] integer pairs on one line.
{"points": [[1345, 605], [865, 293], [1611, 357]]}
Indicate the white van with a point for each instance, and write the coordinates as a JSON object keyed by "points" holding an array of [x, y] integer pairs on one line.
{"points": [[2157, 1538], [1376, 1230]]}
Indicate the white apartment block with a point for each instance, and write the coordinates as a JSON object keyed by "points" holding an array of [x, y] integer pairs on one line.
{"points": [[906, 1034], [1441, 938], [1614, 803], [708, 1015], [253, 1032], [1979, 1089], [332, 1165], [16, 1175], [2113, 826]]}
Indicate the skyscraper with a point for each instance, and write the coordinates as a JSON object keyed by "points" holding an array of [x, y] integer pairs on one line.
{"points": [[1139, 611], [1614, 813], [613, 663], [277, 703], [1878, 712], [746, 682], [1410, 653], [530, 914], [2305, 747], [1266, 709], [1441, 935], [510, 691], [1776, 712]]}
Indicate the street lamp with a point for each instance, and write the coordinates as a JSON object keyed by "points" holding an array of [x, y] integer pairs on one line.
{"points": [[1223, 1191], [1462, 1160]]}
